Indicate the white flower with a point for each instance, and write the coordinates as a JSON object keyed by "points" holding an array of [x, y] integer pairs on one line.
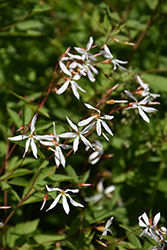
{"points": [[84, 52], [150, 228], [146, 89], [106, 229], [95, 156], [102, 193], [30, 138], [64, 194], [58, 155], [141, 106], [106, 53], [99, 121], [70, 80], [77, 135]]}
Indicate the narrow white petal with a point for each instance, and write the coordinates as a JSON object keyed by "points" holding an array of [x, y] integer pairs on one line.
{"points": [[33, 123], [68, 135], [109, 222], [34, 148], [63, 87], [55, 202], [91, 107], [88, 128], [106, 127], [144, 101], [108, 117], [156, 219], [72, 190], [57, 158], [64, 69], [142, 84], [98, 127], [74, 89], [94, 69], [44, 137], [47, 143], [86, 142], [143, 115], [65, 205], [86, 121], [75, 144], [149, 109], [130, 95], [72, 124], [27, 147], [79, 87], [100, 187], [79, 50], [105, 137], [89, 44], [90, 75], [61, 156], [145, 218], [94, 198], [18, 137], [109, 189], [52, 189], [74, 203]]}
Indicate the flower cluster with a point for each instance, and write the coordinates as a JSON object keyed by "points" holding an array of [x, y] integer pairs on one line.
{"points": [[151, 230]]}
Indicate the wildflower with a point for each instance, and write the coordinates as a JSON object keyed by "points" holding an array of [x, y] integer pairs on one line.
{"points": [[146, 89], [64, 194], [106, 53], [106, 229], [95, 156], [84, 52], [58, 155], [30, 138], [102, 193], [150, 228], [99, 121], [71, 80], [77, 135], [140, 106]]}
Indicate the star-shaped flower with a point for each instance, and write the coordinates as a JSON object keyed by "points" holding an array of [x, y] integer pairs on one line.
{"points": [[102, 193], [30, 138], [58, 154], [146, 89], [99, 121], [95, 156], [84, 52], [70, 80], [64, 194], [150, 228], [106, 229], [77, 135], [106, 53], [141, 106]]}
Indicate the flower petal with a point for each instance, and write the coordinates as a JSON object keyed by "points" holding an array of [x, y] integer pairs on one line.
{"points": [[63, 87], [72, 124], [156, 219], [86, 121], [64, 69], [75, 144], [33, 123], [18, 137], [143, 115], [106, 127], [109, 189], [74, 203], [54, 203], [34, 148], [65, 205], [27, 146]]}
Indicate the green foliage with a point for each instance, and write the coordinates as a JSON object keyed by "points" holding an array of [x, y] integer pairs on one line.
{"points": [[33, 37]]}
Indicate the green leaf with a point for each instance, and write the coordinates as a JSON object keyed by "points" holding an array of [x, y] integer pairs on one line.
{"points": [[126, 245], [135, 241], [41, 7], [20, 182], [15, 117], [29, 24], [152, 3], [27, 227], [40, 238], [156, 81], [60, 178]]}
